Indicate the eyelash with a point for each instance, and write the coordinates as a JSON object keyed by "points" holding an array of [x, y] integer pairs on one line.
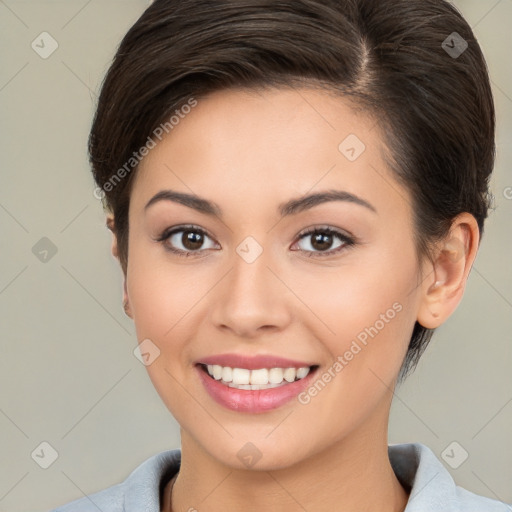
{"points": [[347, 240]]}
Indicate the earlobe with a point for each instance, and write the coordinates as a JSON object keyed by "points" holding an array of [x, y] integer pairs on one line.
{"points": [[110, 226], [126, 300], [115, 253], [445, 281]]}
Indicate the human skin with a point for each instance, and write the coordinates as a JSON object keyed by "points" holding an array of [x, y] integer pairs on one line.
{"points": [[249, 152]]}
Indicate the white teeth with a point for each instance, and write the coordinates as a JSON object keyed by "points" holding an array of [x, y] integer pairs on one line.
{"points": [[275, 376], [252, 386], [227, 374], [241, 376], [261, 378], [302, 372], [240, 386], [289, 374], [217, 372]]}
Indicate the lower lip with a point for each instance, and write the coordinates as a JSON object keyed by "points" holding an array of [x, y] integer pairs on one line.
{"points": [[253, 401]]}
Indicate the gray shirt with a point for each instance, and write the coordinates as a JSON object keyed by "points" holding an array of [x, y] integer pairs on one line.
{"points": [[415, 465]]}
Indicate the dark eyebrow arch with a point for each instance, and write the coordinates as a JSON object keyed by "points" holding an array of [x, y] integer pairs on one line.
{"points": [[307, 202], [285, 209], [190, 200]]}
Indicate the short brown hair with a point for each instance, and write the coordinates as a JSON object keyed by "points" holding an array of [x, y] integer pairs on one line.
{"points": [[403, 61]]}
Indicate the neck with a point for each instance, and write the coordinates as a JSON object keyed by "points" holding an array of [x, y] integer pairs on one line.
{"points": [[353, 475]]}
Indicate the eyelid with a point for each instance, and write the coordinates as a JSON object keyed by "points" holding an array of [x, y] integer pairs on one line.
{"points": [[327, 228], [166, 233]]}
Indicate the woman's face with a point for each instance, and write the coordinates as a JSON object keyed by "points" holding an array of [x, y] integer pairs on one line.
{"points": [[261, 289]]}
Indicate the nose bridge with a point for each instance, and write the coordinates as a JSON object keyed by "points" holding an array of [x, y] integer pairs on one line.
{"points": [[250, 274], [251, 296]]}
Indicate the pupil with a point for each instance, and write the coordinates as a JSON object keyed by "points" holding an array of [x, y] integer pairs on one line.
{"points": [[322, 241], [192, 240]]}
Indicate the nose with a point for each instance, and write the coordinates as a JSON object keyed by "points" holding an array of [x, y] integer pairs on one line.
{"points": [[251, 299]]}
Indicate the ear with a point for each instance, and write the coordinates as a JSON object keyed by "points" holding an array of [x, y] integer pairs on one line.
{"points": [[110, 225], [115, 253], [446, 277]]}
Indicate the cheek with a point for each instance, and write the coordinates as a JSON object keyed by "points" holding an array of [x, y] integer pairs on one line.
{"points": [[160, 294], [372, 331], [162, 299], [360, 301], [367, 314]]}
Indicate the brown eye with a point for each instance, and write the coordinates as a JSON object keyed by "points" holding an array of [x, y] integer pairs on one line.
{"points": [[322, 241], [192, 240], [186, 240]]}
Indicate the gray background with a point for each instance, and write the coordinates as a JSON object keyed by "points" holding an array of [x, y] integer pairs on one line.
{"points": [[68, 375]]}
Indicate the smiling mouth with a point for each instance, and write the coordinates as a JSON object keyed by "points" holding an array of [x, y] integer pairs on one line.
{"points": [[256, 379]]}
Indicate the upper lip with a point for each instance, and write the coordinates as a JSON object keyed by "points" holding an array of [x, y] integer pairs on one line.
{"points": [[253, 362]]}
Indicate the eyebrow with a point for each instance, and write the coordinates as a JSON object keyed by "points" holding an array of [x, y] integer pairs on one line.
{"points": [[291, 207]]}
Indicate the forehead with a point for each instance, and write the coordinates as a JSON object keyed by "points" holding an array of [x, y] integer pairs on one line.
{"points": [[269, 143], [270, 123]]}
